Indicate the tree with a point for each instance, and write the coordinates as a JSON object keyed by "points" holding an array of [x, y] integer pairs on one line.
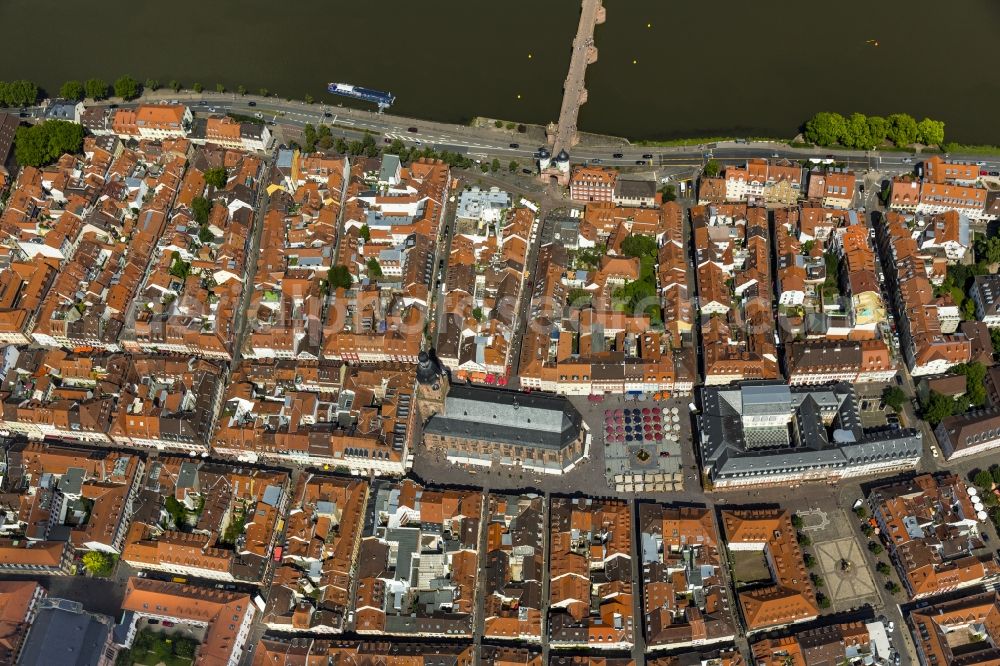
{"points": [[804, 539], [512, 167], [988, 250], [894, 397], [975, 379], [817, 580], [309, 138], [856, 132], [711, 169], [930, 132], [263, 92], [495, 165], [197, 87], [309, 99], [883, 568], [936, 408], [983, 479], [365, 232], [893, 587], [151, 84], [498, 124], [205, 235], [867, 530], [339, 277], [639, 246], [98, 564], [174, 85], [179, 268], [127, 88], [18, 93], [477, 314], [823, 602], [861, 512], [374, 270], [72, 90], [902, 129], [878, 128], [216, 177], [46, 142], [175, 510], [875, 547], [669, 192], [968, 310], [202, 208], [242, 90], [809, 560], [825, 128], [995, 471], [96, 89], [797, 521]]}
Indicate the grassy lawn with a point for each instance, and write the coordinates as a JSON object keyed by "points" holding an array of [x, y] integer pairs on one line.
{"points": [[151, 648], [749, 566]]}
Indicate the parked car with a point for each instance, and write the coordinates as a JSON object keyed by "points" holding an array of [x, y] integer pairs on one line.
{"points": [[995, 173], [640, 162], [647, 156], [596, 160], [168, 623], [984, 172], [250, 103], [412, 129], [152, 621], [515, 145], [527, 171]]}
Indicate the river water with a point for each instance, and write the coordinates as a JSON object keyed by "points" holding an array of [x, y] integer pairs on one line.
{"points": [[666, 69]]}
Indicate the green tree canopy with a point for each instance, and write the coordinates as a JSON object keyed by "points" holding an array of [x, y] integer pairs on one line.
{"points": [[477, 314], [856, 132], [975, 380], [197, 87], [219, 88], [96, 89], [18, 93], [512, 167], [151, 84], [46, 142], [638, 246], [878, 128], [825, 128], [374, 270], [983, 479], [669, 192], [72, 90], [894, 397], [936, 408], [98, 564], [216, 177], [930, 132], [712, 168], [174, 85], [339, 277], [202, 208], [988, 250], [366, 233], [127, 88], [902, 129]]}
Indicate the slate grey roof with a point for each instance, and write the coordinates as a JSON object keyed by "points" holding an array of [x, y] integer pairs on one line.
{"points": [[510, 417], [727, 453], [63, 633]]}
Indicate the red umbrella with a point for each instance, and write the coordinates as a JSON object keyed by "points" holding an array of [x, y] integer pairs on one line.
{"points": [[645, 410]]}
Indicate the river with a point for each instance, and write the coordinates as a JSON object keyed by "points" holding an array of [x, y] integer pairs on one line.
{"points": [[665, 69]]}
